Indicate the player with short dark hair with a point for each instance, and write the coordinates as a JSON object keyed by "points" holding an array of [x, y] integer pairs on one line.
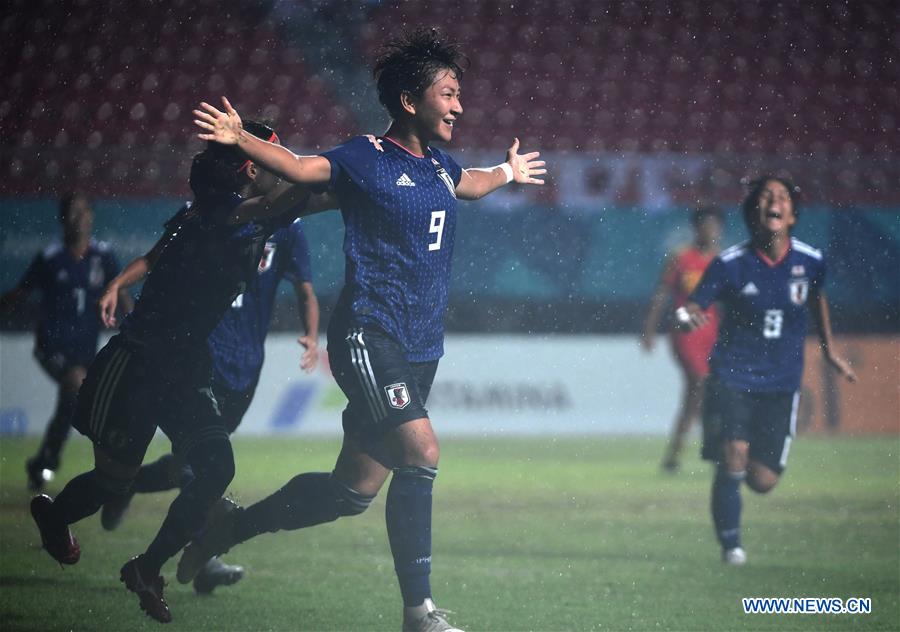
{"points": [[237, 348], [397, 194], [70, 275], [766, 287], [680, 276], [157, 371]]}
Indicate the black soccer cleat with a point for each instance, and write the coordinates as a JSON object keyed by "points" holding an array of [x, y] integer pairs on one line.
{"points": [[149, 591], [216, 573], [56, 537]]}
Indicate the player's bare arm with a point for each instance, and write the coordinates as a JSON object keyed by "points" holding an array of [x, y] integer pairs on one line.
{"points": [[826, 341], [309, 308], [657, 305], [117, 289], [226, 128], [521, 168], [295, 199]]}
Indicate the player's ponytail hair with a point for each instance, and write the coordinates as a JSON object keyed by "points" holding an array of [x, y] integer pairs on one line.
{"points": [[408, 63], [755, 188], [217, 171]]}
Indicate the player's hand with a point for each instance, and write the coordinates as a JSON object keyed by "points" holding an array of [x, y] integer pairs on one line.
{"points": [[221, 127], [108, 304], [648, 342], [310, 357], [525, 166], [690, 317], [842, 366]]}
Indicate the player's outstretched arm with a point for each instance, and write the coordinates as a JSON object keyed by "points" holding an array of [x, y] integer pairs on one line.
{"points": [[295, 200], [117, 289], [478, 182], [823, 319], [226, 128]]}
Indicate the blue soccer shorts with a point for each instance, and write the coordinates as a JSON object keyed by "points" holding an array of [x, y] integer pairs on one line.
{"points": [[766, 420]]}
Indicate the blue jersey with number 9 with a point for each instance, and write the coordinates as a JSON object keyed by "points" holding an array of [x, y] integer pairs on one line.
{"points": [[765, 314], [399, 212]]}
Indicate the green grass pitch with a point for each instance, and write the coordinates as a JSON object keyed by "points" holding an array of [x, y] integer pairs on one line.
{"points": [[529, 534]]}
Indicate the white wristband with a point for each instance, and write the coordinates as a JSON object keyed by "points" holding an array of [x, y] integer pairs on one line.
{"points": [[682, 316], [507, 170]]}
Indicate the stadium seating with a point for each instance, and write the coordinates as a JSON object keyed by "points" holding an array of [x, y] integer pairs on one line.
{"points": [[108, 107], [682, 76]]}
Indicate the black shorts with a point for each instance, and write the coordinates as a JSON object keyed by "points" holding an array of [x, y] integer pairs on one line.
{"points": [[233, 404], [383, 388], [767, 421], [126, 395], [57, 362]]}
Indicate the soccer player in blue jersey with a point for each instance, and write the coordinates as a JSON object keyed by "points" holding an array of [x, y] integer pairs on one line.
{"points": [[157, 371], [70, 275], [766, 287], [237, 347], [397, 194]]}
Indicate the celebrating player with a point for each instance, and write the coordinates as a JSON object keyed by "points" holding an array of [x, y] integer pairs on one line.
{"points": [[765, 287], [157, 371], [237, 348], [71, 276], [397, 195], [691, 348]]}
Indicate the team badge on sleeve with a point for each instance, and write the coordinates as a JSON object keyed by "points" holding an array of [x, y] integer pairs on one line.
{"points": [[398, 395], [799, 289], [445, 177]]}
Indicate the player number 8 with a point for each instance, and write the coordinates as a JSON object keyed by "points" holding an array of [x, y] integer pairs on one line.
{"points": [[437, 227], [772, 324]]}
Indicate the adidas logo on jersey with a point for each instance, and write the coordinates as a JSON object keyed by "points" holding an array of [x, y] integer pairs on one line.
{"points": [[405, 181], [750, 289]]}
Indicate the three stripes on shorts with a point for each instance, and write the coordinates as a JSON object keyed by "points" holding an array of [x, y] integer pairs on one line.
{"points": [[359, 356]]}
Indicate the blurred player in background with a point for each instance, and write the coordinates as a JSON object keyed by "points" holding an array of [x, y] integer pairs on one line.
{"points": [[691, 348], [158, 372], [71, 276], [766, 287], [237, 347], [397, 194]]}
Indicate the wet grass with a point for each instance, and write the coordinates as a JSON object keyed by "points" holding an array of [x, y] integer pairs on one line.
{"points": [[529, 534]]}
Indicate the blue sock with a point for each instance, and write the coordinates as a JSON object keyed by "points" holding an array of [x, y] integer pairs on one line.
{"points": [[408, 517], [726, 507]]}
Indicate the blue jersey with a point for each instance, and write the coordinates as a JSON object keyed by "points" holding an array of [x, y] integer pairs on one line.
{"points": [[203, 265], [70, 289], [237, 342], [399, 213], [764, 314]]}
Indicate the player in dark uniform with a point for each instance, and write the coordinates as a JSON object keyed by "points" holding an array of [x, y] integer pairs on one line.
{"points": [[237, 348], [397, 194], [157, 371], [71, 276], [766, 288]]}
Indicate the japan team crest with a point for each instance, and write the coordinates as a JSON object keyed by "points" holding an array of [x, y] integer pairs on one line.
{"points": [[398, 395], [265, 262], [799, 290]]}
